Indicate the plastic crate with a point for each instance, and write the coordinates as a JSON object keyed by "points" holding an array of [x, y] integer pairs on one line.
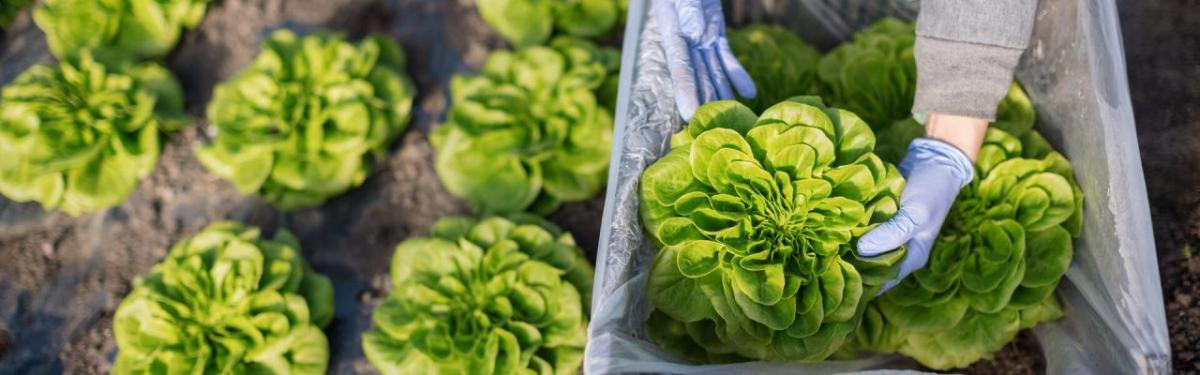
{"points": [[1074, 71]]}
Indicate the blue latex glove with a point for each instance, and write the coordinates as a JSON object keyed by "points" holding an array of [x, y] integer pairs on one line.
{"points": [[702, 66], [935, 172]]}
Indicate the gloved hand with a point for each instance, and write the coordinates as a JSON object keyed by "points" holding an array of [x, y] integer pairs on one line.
{"points": [[702, 66], [935, 172]]}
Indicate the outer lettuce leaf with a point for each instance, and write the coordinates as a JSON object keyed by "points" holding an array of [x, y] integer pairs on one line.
{"points": [[226, 301], [304, 121], [1015, 115], [490, 296], [755, 217], [529, 131], [78, 137], [117, 30], [782, 64], [1003, 249], [526, 23]]}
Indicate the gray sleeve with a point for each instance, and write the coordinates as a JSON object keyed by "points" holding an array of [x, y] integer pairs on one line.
{"points": [[966, 51]]}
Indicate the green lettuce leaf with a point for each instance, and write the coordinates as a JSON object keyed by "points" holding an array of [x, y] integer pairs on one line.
{"points": [[78, 137], [781, 63], [874, 75], [117, 30], [531, 130], [305, 120], [755, 217], [527, 23], [489, 296], [226, 301]]}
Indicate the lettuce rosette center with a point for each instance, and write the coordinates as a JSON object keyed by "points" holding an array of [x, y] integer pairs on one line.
{"points": [[755, 217]]}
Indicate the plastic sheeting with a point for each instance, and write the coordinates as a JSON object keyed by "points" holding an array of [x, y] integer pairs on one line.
{"points": [[1074, 71]]}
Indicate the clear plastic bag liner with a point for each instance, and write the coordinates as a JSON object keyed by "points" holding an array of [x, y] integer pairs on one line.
{"points": [[1074, 71]]}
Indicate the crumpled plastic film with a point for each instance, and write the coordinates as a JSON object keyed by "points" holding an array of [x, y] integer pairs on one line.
{"points": [[1074, 72]]}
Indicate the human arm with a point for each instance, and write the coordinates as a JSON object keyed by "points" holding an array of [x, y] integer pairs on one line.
{"points": [[966, 51]]}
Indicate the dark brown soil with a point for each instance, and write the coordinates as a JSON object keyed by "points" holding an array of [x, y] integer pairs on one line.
{"points": [[1164, 76], [1022, 356], [1182, 280], [4, 340]]}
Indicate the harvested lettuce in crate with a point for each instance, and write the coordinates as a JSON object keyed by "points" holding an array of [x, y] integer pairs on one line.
{"points": [[755, 218], [873, 75], [1002, 250], [781, 64]]}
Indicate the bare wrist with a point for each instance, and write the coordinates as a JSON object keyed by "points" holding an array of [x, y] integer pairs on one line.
{"points": [[965, 133]]}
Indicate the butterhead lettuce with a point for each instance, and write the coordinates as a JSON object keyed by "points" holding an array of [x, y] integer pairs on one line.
{"points": [[781, 63], [875, 74], [755, 217], [488, 296], [1002, 250], [526, 23], [306, 119], [226, 301], [532, 130], [116, 30], [78, 136]]}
